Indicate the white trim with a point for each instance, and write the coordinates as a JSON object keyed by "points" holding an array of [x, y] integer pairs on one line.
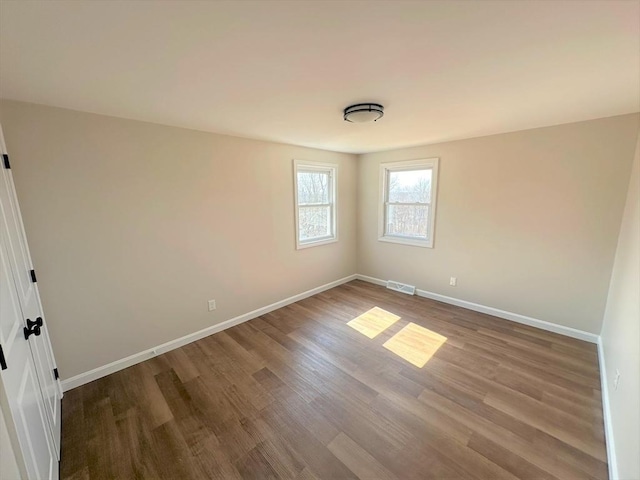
{"points": [[315, 243], [606, 413], [332, 169], [415, 242], [123, 363], [421, 164], [374, 280], [514, 317]]}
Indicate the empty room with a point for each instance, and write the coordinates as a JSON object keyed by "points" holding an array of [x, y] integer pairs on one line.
{"points": [[320, 239]]}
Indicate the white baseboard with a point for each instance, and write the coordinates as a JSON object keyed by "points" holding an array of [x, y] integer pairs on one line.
{"points": [[123, 363], [514, 317], [374, 280], [606, 410]]}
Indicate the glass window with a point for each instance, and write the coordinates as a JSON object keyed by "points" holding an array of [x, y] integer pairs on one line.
{"points": [[315, 203], [407, 213]]}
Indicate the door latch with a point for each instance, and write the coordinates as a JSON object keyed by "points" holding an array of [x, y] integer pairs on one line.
{"points": [[32, 328]]}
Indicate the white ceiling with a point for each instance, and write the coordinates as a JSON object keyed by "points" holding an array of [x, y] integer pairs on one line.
{"points": [[284, 70]]}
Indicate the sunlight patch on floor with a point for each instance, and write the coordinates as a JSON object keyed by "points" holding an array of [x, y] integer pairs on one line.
{"points": [[415, 344], [373, 322]]}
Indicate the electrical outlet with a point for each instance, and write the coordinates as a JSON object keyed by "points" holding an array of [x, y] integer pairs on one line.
{"points": [[212, 305], [616, 381], [453, 281]]}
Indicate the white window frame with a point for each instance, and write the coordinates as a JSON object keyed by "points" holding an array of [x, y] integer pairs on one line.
{"points": [[332, 170], [385, 169]]}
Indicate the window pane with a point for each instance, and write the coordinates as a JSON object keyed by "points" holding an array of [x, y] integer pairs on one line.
{"points": [[410, 186], [407, 220], [313, 187], [315, 222]]}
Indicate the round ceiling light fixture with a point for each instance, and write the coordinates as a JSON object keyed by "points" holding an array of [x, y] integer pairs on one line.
{"points": [[363, 112]]}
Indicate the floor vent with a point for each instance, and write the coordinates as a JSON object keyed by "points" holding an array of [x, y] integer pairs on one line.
{"points": [[401, 287]]}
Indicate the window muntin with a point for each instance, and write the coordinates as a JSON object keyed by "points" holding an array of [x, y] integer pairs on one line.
{"points": [[315, 203], [408, 202]]}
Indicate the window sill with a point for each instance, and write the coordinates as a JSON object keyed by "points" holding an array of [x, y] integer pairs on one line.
{"points": [[407, 241], [315, 243]]}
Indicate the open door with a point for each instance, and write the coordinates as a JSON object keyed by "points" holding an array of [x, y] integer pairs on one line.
{"points": [[30, 389]]}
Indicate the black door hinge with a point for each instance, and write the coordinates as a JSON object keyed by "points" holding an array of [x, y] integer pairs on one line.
{"points": [[33, 276], [5, 158], [56, 375], [3, 361]]}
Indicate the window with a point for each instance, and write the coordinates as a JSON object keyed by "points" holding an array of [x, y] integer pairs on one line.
{"points": [[408, 206], [315, 196]]}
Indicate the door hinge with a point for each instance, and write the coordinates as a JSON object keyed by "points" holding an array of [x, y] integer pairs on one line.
{"points": [[3, 362], [56, 375], [5, 158], [33, 276]]}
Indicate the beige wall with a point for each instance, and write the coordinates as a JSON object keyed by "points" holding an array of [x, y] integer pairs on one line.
{"points": [[134, 226], [621, 334], [526, 221]]}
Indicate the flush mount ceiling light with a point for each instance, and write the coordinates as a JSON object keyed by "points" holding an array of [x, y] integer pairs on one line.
{"points": [[363, 112]]}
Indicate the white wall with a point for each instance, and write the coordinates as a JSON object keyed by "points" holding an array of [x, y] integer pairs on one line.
{"points": [[134, 226], [621, 335], [526, 221]]}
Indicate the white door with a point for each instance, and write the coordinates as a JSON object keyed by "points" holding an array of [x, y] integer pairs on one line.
{"points": [[19, 386], [29, 298], [30, 393], [9, 469]]}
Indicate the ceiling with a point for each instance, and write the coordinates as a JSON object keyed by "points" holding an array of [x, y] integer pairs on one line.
{"points": [[284, 70]]}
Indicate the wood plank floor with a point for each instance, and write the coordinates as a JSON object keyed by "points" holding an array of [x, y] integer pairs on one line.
{"points": [[300, 393]]}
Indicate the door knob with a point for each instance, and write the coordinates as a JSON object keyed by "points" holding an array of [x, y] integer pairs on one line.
{"points": [[32, 328]]}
